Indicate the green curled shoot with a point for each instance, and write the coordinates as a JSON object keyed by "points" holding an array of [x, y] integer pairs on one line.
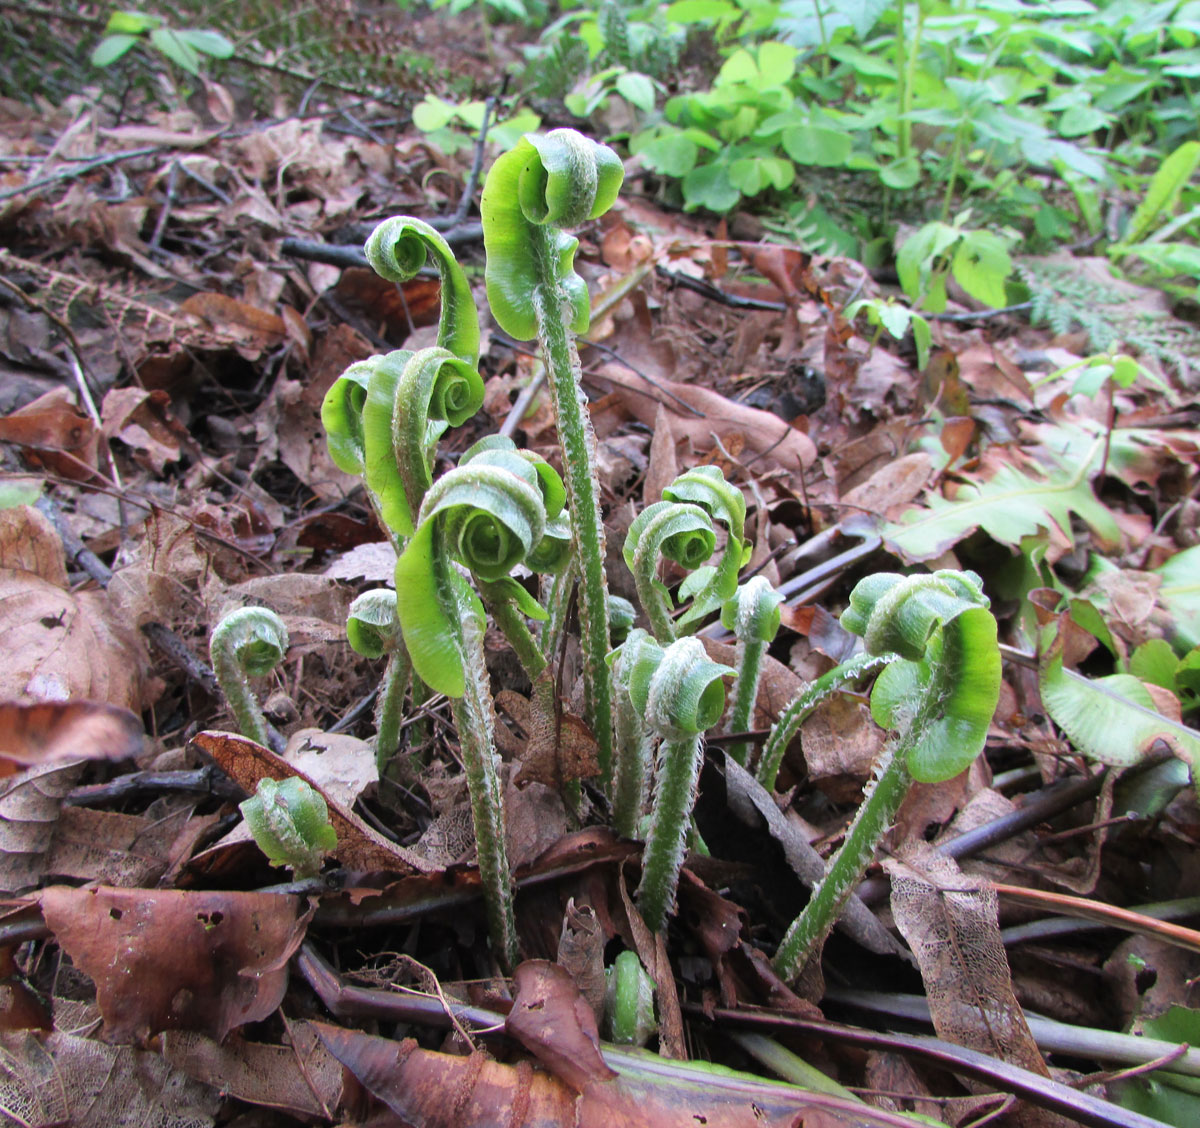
{"points": [[247, 643], [484, 517], [706, 487], [373, 629], [290, 824], [397, 250], [546, 182], [938, 693], [680, 699], [411, 399], [683, 533]]}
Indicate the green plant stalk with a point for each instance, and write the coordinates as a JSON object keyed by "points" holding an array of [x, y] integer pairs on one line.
{"points": [[578, 442], [804, 938], [635, 752], [678, 775], [801, 706], [508, 617], [903, 132], [745, 694], [389, 707], [939, 694], [512, 624], [474, 719]]}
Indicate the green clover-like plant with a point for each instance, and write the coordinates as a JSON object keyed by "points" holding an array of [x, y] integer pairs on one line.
{"points": [[290, 824], [247, 643], [544, 184], [938, 693]]}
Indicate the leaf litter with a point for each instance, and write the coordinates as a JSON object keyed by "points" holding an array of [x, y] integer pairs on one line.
{"points": [[163, 387]]}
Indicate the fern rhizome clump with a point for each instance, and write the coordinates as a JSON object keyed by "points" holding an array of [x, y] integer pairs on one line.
{"points": [[649, 701]]}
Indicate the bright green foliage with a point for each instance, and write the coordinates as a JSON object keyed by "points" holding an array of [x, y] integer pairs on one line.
{"points": [[1180, 595], [1009, 506], [183, 46], [486, 517], [397, 250], [542, 185], [373, 630], [942, 690], [247, 643], [1113, 720], [290, 824], [1166, 1096], [897, 319], [546, 182], [978, 260]]}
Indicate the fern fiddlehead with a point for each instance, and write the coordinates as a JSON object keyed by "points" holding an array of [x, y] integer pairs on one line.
{"points": [[249, 642], [544, 184], [938, 693]]}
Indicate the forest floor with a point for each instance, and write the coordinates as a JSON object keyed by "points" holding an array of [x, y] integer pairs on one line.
{"points": [[167, 336]]}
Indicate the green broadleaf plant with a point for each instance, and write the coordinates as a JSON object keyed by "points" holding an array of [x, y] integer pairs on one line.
{"points": [[182, 46]]}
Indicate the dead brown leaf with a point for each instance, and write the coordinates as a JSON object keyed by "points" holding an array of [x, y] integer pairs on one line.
{"points": [[951, 923], [59, 1078], [63, 645], [206, 961], [29, 543], [75, 730], [55, 434], [144, 422], [303, 1078], [30, 804], [442, 1091], [116, 849], [762, 433], [554, 1022]]}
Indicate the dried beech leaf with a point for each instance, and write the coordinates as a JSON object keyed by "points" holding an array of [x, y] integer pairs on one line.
{"points": [[554, 1022], [116, 849], [30, 804], [76, 730], [61, 1079], [207, 961], [29, 543], [64, 646], [359, 847], [764, 434], [303, 1079], [143, 421], [581, 953], [950, 921]]}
